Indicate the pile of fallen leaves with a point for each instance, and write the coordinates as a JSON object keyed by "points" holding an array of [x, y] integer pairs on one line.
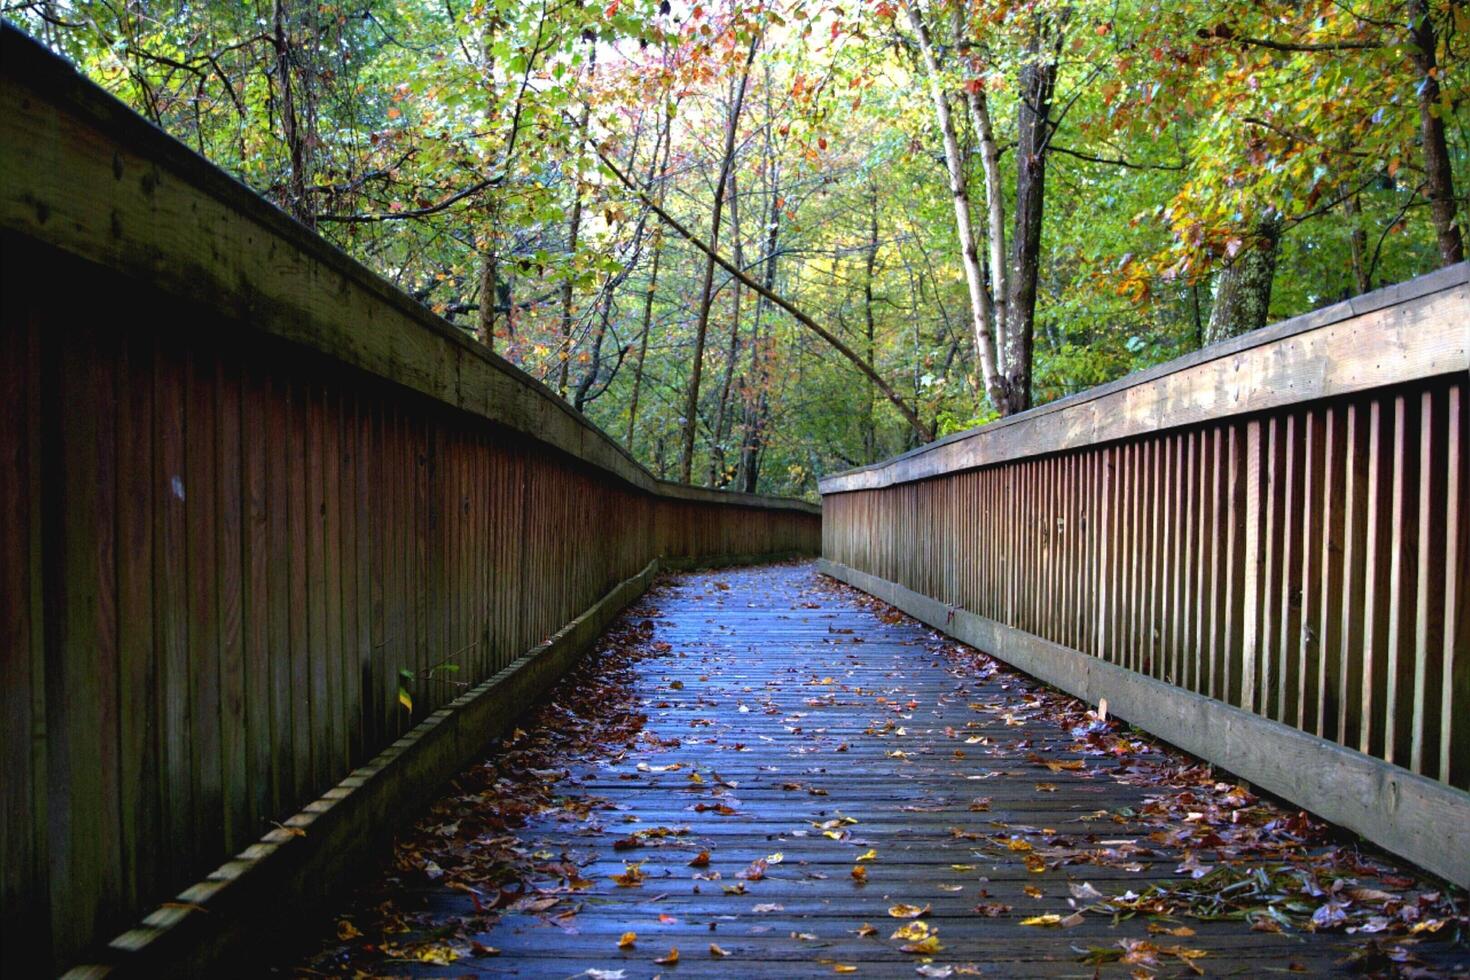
{"points": [[1239, 856], [467, 840]]}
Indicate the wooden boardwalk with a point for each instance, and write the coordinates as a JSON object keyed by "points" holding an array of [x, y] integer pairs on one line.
{"points": [[771, 715]]}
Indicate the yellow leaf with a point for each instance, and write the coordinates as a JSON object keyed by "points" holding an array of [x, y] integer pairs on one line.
{"points": [[1042, 920], [869, 855], [843, 968], [346, 930], [927, 946], [670, 959], [442, 955], [627, 940], [905, 911], [912, 931]]}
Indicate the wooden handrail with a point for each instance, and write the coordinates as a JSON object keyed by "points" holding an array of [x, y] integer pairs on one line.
{"points": [[1275, 525], [262, 517]]}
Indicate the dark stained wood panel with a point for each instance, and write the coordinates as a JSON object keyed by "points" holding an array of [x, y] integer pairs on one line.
{"points": [[224, 556]]}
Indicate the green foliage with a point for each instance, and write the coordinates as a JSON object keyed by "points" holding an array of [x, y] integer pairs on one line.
{"points": [[439, 142]]}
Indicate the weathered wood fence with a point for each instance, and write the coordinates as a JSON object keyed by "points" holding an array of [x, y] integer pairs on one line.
{"points": [[260, 515], [1277, 523]]}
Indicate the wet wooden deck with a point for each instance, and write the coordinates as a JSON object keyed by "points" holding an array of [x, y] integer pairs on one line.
{"points": [[791, 721]]}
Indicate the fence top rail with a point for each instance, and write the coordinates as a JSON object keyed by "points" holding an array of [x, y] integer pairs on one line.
{"points": [[1402, 333], [83, 173]]}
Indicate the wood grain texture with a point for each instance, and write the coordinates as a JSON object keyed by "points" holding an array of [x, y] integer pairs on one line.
{"points": [[84, 173], [1420, 819], [252, 493], [894, 726], [1287, 540]]}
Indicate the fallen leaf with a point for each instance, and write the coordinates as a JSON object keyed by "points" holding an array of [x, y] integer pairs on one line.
{"points": [[440, 955], [755, 872], [927, 946], [1154, 929], [627, 939], [911, 931], [632, 876], [1042, 920], [670, 958], [905, 911], [715, 950]]}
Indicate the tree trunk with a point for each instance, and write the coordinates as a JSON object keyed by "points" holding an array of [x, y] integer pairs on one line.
{"points": [[1243, 288], [294, 128], [757, 407], [660, 168], [1033, 136], [573, 231], [489, 287], [1439, 178], [979, 106], [579, 397], [980, 298], [691, 403], [870, 428], [658, 248], [717, 475], [1359, 238]]}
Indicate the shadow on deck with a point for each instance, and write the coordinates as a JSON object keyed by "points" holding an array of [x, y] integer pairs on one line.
{"points": [[766, 770]]}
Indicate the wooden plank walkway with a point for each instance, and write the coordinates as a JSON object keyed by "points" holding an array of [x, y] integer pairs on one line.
{"points": [[772, 715]]}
